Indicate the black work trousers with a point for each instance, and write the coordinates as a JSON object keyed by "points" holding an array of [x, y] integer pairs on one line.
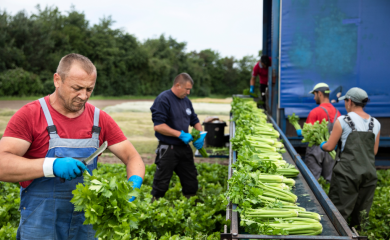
{"points": [[263, 88], [178, 159]]}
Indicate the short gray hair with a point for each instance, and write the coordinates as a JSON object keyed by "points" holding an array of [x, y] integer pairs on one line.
{"points": [[183, 78], [68, 60]]}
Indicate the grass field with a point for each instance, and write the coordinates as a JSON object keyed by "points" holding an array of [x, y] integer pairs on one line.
{"points": [[138, 128]]}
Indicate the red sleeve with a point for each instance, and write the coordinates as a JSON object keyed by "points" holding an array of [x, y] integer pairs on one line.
{"points": [[256, 70], [20, 125], [111, 132]]}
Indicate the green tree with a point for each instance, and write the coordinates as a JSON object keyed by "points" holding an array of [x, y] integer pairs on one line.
{"points": [[31, 47]]}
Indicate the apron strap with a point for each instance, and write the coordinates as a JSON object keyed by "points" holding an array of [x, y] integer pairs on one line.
{"points": [[335, 117], [326, 113], [51, 127], [371, 125], [348, 120], [96, 129]]}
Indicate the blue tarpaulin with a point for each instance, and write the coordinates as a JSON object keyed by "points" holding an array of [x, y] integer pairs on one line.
{"points": [[343, 43]]}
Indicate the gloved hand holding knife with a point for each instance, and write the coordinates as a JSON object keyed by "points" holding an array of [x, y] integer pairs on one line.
{"points": [[69, 168]]}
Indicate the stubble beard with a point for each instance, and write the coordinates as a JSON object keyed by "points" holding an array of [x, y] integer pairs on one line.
{"points": [[68, 103]]}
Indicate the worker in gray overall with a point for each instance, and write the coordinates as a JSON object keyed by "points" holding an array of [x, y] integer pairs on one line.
{"points": [[44, 144], [319, 162], [354, 176]]}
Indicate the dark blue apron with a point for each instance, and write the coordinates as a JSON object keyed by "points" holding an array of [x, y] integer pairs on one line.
{"points": [[45, 207]]}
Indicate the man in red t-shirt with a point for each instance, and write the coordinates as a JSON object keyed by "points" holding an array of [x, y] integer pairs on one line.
{"points": [[261, 69], [319, 162], [42, 143]]}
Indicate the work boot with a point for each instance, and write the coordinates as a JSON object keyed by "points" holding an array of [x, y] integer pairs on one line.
{"points": [[154, 199], [188, 196]]}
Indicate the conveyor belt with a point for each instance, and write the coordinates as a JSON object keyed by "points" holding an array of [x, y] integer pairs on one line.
{"points": [[307, 200], [310, 196]]}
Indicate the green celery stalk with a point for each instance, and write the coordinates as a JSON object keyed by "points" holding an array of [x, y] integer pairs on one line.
{"points": [[196, 135]]}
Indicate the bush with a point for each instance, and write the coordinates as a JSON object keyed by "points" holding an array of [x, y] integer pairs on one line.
{"points": [[18, 82]]}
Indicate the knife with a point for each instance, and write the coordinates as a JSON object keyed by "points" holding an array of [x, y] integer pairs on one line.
{"points": [[93, 155]]}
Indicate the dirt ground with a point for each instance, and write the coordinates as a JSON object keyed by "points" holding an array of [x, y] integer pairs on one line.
{"points": [[16, 104], [148, 159]]}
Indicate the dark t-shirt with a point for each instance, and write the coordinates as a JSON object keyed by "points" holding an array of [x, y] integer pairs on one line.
{"points": [[177, 113]]}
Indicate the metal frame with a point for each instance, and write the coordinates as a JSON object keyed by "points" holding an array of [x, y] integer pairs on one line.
{"points": [[275, 54], [334, 215]]}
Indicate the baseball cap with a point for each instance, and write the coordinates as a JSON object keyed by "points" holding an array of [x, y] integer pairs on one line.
{"points": [[321, 87], [355, 94]]}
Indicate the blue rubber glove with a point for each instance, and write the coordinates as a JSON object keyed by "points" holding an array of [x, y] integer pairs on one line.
{"points": [[68, 168], [252, 89], [198, 144], [299, 133], [137, 182], [322, 144], [185, 137]]}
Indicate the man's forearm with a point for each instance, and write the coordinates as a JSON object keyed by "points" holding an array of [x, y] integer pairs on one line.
{"points": [[135, 166], [252, 81], [164, 129], [198, 127], [14, 168]]}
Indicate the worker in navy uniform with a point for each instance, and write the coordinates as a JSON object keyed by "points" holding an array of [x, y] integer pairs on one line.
{"points": [[354, 176], [172, 114]]}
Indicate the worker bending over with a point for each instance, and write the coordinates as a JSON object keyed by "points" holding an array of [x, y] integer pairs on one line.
{"points": [[354, 176], [261, 69], [47, 139]]}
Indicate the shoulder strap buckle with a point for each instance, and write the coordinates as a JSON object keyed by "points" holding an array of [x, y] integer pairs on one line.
{"points": [[96, 129], [348, 120], [52, 129], [371, 125]]}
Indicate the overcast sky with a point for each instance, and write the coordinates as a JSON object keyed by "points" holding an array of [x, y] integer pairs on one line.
{"points": [[233, 28]]}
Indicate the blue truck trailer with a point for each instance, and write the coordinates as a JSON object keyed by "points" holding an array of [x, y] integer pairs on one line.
{"points": [[342, 43]]}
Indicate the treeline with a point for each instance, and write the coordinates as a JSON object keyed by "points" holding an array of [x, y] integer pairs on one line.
{"points": [[31, 47]]}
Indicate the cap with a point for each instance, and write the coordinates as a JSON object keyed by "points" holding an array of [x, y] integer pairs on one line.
{"points": [[355, 94], [321, 87]]}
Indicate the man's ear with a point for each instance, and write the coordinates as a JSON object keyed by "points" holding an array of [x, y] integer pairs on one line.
{"points": [[57, 80]]}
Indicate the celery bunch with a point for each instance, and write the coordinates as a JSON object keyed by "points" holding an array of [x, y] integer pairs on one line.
{"points": [[316, 134], [294, 120], [196, 135], [248, 92]]}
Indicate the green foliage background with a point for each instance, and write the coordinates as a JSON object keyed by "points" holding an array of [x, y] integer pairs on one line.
{"points": [[32, 45]]}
